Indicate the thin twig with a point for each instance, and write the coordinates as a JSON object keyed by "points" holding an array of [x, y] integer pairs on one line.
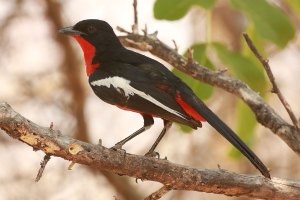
{"points": [[175, 46], [135, 26], [43, 165], [159, 193], [122, 30], [275, 88]]}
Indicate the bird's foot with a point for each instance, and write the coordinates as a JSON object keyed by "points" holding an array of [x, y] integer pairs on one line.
{"points": [[153, 154], [117, 147]]}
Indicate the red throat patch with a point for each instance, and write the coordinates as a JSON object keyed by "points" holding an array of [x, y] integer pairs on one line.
{"points": [[89, 52], [189, 109]]}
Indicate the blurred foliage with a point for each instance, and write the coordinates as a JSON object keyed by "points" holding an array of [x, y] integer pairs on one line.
{"points": [[176, 9], [242, 67], [266, 24], [269, 21], [294, 6]]}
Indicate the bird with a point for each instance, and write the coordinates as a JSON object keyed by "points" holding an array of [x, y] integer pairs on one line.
{"points": [[137, 83]]}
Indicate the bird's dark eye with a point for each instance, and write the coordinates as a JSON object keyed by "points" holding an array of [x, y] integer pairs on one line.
{"points": [[91, 29]]}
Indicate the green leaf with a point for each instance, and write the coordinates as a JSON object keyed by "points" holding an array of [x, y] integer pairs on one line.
{"points": [[245, 127], [202, 90], [176, 9], [243, 67], [269, 21]]}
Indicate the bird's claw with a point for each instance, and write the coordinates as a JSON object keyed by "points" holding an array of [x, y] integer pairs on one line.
{"points": [[117, 147], [153, 154]]}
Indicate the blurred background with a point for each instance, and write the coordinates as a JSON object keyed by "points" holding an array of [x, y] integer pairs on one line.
{"points": [[42, 76]]}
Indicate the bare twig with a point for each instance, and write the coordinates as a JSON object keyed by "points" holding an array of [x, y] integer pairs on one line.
{"points": [[122, 30], [176, 177], [43, 166], [143, 46], [135, 26], [275, 88], [175, 46], [159, 193]]}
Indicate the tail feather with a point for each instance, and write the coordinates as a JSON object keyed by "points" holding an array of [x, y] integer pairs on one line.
{"points": [[232, 137]]}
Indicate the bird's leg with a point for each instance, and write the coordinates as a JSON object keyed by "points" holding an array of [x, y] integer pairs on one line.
{"points": [[148, 122], [151, 152]]}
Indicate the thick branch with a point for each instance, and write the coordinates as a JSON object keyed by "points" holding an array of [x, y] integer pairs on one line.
{"points": [[264, 113], [176, 177]]}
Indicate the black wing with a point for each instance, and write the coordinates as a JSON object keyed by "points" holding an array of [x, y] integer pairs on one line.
{"points": [[152, 90]]}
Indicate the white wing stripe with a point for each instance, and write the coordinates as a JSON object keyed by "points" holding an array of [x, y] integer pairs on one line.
{"points": [[118, 82]]}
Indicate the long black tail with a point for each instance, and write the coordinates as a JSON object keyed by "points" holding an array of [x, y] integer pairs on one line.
{"points": [[232, 137]]}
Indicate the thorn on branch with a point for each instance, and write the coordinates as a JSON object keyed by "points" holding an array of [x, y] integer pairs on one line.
{"points": [[175, 46], [275, 88], [145, 30], [100, 142], [190, 56], [43, 165], [51, 126], [153, 35]]}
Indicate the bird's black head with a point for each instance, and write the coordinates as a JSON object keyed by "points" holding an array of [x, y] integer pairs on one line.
{"points": [[97, 32]]}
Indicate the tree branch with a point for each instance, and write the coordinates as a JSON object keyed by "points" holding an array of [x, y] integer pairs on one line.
{"points": [[264, 113], [173, 176], [275, 88]]}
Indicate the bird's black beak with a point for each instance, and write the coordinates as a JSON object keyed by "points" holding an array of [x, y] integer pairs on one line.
{"points": [[70, 31]]}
